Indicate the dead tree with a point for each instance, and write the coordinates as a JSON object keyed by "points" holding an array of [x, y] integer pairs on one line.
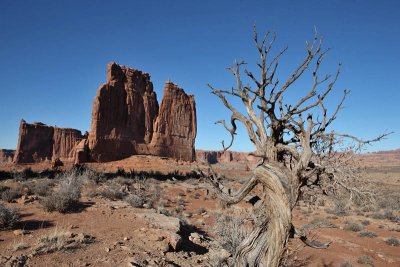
{"points": [[296, 150]]}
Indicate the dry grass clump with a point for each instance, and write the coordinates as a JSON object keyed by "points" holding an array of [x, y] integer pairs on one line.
{"points": [[8, 217], [42, 187], [66, 197], [393, 241], [347, 264], [143, 194], [319, 223], [57, 241], [61, 240], [365, 222], [365, 260], [367, 234], [112, 194], [231, 231], [389, 199], [339, 208], [387, 214], [354, 227], [136, 201]]}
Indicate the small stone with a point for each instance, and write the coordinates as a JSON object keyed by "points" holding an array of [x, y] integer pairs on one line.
{"points": [[107, 249], [20, 232]]}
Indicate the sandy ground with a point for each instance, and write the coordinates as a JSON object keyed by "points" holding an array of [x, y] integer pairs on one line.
{"points": [[120, 236]]}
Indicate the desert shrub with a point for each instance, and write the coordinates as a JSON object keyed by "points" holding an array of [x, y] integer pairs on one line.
{"points": [[377, 215], [387, 214], [339, 208], [122, 180], [112, 194], [354, 227], [231, 231], [135, 200], [393, 241], [365, 260], [8, 217], [365, 222], [319, 223], [144, 195], [346, 264], [390, 199], [11, 194], [57, 241], [42, 187], [3, 188], [66, 198], [367, 234], [197, 195]]}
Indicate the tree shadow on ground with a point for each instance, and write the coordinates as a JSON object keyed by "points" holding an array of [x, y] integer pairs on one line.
{"points": [[34, 224], [189, 246]]}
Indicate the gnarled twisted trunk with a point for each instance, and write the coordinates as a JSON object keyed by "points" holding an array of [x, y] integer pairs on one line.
{"points": [[266, 245]]}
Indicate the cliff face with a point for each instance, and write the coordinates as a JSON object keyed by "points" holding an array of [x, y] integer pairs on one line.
{"points": [[175, 127], [6, 155], [123, 114], [38, 142], [64, 142], [35, 143]]}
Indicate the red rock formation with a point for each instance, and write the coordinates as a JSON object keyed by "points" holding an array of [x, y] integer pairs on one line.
{"points": [[6, 155], [38, 142], [175, 127], [35, 143], [126, 120], [123, 114]]}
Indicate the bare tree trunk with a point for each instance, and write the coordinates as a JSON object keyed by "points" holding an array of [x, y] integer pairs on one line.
{"points": [[266, 245]]}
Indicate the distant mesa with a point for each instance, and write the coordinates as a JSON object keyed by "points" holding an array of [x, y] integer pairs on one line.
{"points": [[213, 157], [126, 121]]}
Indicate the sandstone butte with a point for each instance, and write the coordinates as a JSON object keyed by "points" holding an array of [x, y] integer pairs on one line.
{"points": [[126, 121]]}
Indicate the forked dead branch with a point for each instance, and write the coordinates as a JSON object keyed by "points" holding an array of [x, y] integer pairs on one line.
{"points": [[297, 152]]}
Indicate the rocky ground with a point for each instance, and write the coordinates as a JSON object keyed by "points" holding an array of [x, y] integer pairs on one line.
{"points": [[139, 221]]}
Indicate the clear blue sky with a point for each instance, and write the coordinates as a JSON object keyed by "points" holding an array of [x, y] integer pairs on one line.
{"points": [[53, 56]]}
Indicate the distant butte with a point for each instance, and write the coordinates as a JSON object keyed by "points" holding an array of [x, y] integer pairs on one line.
{"points": [[126, 121]]}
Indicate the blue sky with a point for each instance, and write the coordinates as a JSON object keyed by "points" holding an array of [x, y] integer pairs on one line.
{"points": [[54, 54]]}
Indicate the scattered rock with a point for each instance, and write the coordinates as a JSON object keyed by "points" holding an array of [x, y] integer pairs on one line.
{"points": [[21, 232]]}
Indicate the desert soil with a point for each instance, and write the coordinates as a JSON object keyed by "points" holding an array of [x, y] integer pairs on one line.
{"points": [[118, 234]]}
